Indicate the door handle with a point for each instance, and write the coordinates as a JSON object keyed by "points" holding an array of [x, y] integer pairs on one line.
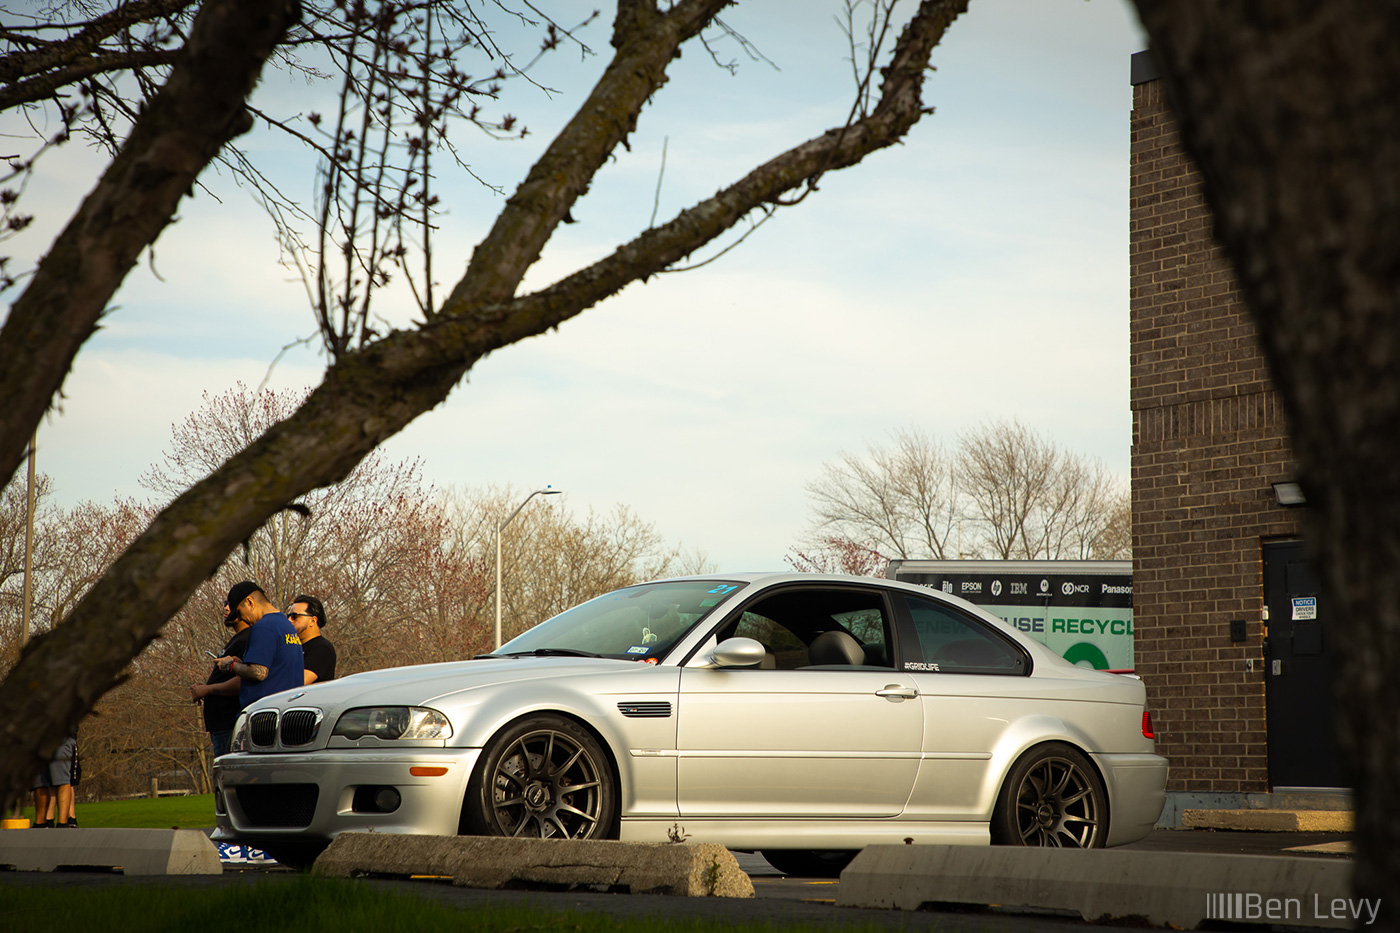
{"points": [[897, 692]]}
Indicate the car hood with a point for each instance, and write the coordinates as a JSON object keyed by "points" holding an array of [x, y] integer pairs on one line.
{"points": [[426, 684]]}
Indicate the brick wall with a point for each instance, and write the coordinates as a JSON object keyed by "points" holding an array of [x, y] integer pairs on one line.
{"points": [[1208, 439]]}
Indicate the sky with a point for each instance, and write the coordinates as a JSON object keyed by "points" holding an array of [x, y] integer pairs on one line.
{"points": [[977, 272]]}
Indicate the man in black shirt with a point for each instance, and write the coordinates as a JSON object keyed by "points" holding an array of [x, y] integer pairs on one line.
{"points": [[220, 691], [318, 654]]}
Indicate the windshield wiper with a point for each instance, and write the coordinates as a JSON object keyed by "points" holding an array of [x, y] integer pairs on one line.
{"points": [[555, 652]]}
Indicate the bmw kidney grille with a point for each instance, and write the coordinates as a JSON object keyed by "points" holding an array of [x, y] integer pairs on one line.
{"points": [[296, 727]]}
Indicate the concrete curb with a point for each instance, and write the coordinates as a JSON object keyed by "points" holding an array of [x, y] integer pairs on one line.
{"points": [[693, 870], [1176, 888], [1271, 821], [130, 851]]}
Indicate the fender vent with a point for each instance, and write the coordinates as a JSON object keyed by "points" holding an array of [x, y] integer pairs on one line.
{"points": [[646, 709]]}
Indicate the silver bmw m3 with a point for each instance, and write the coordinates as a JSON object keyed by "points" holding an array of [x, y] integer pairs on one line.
{"points": [[804, 716]]}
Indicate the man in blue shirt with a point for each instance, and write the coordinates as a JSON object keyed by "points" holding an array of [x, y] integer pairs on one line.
{"points": [[273, 660]]}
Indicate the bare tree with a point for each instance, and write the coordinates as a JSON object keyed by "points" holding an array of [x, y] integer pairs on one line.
{"points": [[1006, 492], [14, 513], [551, 560], [839, 555], [1028, 498], [900, 500], [369, 392], [1009, 477], [1291, 111]]}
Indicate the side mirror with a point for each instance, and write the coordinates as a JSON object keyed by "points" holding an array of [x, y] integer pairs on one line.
{"points": [[734, 652]]}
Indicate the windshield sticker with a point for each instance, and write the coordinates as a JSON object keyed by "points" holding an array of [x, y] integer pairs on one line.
{"points": [[724, 590], [639, 649]]}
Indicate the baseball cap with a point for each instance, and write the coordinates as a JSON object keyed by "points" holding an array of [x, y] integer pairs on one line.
{"points": [[240, 592]]}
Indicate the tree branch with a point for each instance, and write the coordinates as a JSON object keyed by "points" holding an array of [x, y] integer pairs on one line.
{"points": [[200, 108], [370, 394], [44, 85], [65, 53]]}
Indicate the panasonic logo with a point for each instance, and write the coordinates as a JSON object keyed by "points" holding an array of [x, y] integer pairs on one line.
{"points": [[1118, 590]]}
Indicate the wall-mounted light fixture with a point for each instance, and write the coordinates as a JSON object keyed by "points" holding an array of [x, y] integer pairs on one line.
{"points": [[1289, 495]]}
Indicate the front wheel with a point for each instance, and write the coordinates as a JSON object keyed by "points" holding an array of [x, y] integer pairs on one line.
{"points": [[1052, 797], [544, 777]]}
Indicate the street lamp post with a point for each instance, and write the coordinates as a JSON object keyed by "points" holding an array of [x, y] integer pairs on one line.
{"points": [[500, 526]]}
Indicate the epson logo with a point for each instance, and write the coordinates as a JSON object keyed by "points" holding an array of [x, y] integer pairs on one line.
{"points": [[972, 586]]}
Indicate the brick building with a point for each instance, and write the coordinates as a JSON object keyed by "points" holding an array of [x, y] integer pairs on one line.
{"points": [[1209, 531]]}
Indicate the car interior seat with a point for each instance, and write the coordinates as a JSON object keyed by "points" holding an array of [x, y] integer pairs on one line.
{"points": [[835, 647]]}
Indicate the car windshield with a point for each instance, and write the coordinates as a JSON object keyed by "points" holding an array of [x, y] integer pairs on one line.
{"points": [[639, 622]]}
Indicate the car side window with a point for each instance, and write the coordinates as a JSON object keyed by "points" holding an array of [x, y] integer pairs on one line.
{"points": [[817, 627], [786, 649], [952, 643]]}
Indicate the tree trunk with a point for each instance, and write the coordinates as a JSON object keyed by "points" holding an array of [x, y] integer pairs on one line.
{"points": [[1291, 111]]}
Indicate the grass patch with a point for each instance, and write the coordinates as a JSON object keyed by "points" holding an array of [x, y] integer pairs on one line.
{"points": [[308, 904], [192, 812]]}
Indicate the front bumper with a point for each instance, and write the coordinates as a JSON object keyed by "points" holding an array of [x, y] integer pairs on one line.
{"points": [[315, 796]]}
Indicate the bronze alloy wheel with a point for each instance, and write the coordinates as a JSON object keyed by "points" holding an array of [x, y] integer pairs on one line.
{"points": [[1053, 797], [544, 777]]}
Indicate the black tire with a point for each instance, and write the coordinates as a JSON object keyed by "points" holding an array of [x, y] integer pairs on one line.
{"points": [[1052, 797], [542, 777], [810, 863]]}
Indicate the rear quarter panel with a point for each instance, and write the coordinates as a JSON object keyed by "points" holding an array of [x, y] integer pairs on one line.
{"points": [[977, 726]]}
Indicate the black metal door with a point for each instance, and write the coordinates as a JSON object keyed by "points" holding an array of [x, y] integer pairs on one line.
{"points": [[1298, 673]]}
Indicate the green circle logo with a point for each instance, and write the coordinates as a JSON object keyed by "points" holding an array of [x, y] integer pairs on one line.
{"points": [[1085, 654]]}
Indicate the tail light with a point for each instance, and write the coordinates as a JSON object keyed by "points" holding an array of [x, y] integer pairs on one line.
{"points": [[1147, 732]]}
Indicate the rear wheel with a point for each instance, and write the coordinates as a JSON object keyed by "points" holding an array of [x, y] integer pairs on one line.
{"points": [[543, 777], [810, 863], [1052, 797]]}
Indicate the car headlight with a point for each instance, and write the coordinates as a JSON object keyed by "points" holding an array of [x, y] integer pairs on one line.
{"points": [[393, 722], [239, 741]]}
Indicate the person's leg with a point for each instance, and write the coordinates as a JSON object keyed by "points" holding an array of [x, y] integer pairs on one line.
{"points": [[42, 798], [221, 741], [64, 796]]}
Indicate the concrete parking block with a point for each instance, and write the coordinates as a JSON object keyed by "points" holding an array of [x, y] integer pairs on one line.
{"points": [[130, 851], [1271, 821], [1176, 888], [692, 870]]}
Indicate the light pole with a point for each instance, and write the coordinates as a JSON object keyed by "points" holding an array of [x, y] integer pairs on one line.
{"points": [[546, 491]]}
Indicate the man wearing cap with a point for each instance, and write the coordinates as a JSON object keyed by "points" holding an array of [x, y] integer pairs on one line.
{"points": [[318, 654], [273, 660], [220, 692]]}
